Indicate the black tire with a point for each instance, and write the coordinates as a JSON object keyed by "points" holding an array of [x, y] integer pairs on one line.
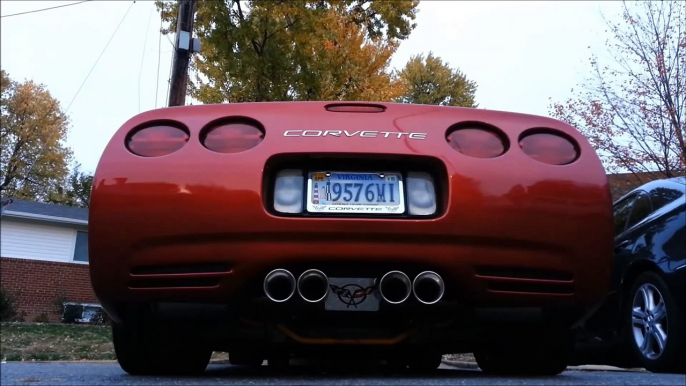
{"points": [[540, 354], [140, 351], [671, 358], [428, 361], [241, 358]]}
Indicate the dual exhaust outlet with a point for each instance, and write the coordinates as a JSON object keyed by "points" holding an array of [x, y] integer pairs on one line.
{"points": [[395, 287]]}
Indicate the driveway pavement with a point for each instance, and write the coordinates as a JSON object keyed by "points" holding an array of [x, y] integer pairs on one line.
{"points": [[18, 373]]}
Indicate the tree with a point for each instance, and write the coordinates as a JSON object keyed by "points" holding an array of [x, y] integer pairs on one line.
{"points": [[295, 50], [430, 81], [633, 110], [32, 127], [74, 191]]}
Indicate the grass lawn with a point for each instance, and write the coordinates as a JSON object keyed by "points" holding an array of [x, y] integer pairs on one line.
{"points": [[55, 342], [59, 342], [70, 342]]}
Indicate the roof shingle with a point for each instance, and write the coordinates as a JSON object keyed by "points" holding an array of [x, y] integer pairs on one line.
{"points": [[53, 210]]}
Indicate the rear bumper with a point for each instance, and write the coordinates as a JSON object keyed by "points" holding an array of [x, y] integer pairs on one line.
{"points": [[196, 226], [478, 272]]}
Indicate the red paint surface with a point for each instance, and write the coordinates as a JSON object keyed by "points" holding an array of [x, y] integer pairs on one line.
{"points": [[196, 205]]}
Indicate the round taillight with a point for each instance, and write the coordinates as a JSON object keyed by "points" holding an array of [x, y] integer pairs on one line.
{"points": [[549, 147], [477, 141], [157, 141], [232, 137]]}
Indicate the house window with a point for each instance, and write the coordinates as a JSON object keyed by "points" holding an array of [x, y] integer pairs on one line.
{"points": [[81, 247]]}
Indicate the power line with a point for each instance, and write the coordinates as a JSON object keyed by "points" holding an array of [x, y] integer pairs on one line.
{"points": [[40, 153], [45, 9], [98, 59]]}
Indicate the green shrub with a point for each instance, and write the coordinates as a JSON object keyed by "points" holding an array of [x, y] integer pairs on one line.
{"points": [[42, 318], [7, 308], [59, 303]]}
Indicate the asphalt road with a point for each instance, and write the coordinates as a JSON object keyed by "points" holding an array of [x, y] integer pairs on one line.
{"points": [[17, 373]]}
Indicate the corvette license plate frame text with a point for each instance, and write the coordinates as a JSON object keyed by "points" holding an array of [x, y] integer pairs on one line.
{"points": [[377, 193]]}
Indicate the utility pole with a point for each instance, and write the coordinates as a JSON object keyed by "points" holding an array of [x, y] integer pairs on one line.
{"points": [[185, 45]]}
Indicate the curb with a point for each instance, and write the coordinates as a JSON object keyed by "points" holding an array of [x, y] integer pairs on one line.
{"points": [[603, 368], [474, 366]]}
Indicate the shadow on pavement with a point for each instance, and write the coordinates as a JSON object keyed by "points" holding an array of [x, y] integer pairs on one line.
{"points": [[341, 371]]}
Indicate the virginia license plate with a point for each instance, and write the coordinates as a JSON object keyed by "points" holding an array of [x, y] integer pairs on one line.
{"points": [[345, 192]]}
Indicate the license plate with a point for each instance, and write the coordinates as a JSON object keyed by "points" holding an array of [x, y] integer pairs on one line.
{"points": [[346, 192], [352, 294]]}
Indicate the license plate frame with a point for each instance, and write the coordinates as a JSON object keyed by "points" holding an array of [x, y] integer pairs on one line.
{"points": [[382, 185]]}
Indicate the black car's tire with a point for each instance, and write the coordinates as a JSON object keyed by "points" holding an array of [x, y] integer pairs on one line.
{"points": [[542, 354], [670, 358], [245, 359], [428, 361], [140, 351]]}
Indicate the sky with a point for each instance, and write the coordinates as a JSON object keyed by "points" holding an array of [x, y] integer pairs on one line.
{"points": [[522, 55]]}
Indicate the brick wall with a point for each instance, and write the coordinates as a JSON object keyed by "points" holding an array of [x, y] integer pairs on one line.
{"points": [[35, 285]]}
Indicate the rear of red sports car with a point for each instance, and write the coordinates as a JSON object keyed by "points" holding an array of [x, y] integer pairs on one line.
{"points": [[403, 232]]}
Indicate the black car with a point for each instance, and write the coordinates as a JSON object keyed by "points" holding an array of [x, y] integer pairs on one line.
{"points": [[643, 320]]}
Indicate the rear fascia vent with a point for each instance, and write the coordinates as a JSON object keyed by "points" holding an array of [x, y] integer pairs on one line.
{"points": [[181, 269]]}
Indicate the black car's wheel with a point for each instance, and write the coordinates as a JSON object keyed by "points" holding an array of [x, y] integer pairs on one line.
{"points": [[654, 325], [543, 354], [140, 351], [426, 362], [240, 358]]}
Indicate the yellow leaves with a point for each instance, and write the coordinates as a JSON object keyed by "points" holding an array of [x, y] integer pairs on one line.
{"points": [[297, 50], [431, 81], [33, 127]]}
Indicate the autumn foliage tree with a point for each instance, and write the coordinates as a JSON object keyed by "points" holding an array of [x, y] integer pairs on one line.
{"points": [[428, 80], [634, 110], [270, 50], [32, 127], [75, 190]]}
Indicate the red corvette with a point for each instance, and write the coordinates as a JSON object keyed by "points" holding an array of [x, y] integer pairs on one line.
{"points": [[400, 232]]}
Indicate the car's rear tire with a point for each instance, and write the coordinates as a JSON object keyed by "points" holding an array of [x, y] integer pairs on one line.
{"points": [[426, 361], [662, 317], [534, 354], [140, 351], [244, 358]]}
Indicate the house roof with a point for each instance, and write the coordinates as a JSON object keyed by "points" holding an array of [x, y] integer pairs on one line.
{"points": [[46, 212]]}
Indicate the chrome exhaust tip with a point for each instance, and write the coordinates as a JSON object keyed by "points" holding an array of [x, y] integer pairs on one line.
{"points": [[313, 285], [428, 287], [395, 287], [279, 285]]}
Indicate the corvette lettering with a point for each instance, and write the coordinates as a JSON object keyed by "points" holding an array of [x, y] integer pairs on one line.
{"points": [[346, 133]]}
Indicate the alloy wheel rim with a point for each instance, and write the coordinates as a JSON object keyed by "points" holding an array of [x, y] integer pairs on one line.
{"points": [[649, 321]]}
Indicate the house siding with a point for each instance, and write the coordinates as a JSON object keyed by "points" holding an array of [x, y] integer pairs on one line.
{"points": [[37, 269], [37, 286], [27, 240]]}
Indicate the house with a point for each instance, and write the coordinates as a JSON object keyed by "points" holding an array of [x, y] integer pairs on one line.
{"points": [[44, 258]]}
